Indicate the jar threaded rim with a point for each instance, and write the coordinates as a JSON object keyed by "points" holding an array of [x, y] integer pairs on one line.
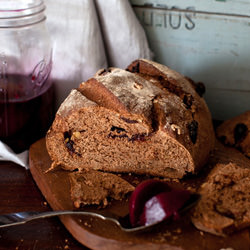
{"points": [[21, 13]]}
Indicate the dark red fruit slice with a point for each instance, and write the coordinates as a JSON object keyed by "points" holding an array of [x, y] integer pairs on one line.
{"points": [[143, 192], [163, 206]]}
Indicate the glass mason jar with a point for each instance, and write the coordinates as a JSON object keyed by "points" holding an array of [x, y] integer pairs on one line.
{"points": [[26, 92]]}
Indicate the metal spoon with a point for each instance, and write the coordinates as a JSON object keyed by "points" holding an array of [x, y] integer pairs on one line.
{"points": [[14, 219], [19, 218]]}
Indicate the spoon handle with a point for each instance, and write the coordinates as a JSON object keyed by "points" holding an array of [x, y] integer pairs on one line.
{"points": [[19, 218]]}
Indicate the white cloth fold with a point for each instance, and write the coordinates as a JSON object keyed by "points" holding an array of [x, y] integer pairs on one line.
{"points": [[78, 50], [87, 35], [123, 36], [8, 155]]}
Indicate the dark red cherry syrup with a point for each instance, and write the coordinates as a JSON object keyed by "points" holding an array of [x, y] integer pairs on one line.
{"points": [[26, 111]]}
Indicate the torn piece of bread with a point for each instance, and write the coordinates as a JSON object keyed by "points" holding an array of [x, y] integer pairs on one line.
{"points": [[235, 132], [225, 200], [94, 188]]}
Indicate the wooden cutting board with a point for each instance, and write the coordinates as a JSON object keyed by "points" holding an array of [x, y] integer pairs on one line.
{"points": [[97, 234]]}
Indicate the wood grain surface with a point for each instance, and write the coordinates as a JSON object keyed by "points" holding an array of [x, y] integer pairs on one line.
{"points": [[19, 192], [98, 234]]}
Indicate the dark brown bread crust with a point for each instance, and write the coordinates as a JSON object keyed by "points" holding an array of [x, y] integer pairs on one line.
{"points": [[198, 118], [235, 132], [225, 203], [148, 121]]}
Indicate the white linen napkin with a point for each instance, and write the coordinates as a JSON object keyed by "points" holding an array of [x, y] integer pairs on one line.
{"points": [[78, 49], [87, 35], [123, 36], [8, 155]]}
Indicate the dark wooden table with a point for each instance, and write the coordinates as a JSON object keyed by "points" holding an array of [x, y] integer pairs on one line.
{"points": [[18, 192]]}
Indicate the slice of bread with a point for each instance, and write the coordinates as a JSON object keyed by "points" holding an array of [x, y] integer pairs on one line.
{"points": [[95, 188]]}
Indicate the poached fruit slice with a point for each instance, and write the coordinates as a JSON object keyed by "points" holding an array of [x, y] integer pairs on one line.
{"points": [[153, 201], [142, 193], [163, 206]]}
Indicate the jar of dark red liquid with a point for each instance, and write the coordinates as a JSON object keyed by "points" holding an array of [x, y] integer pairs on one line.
{"points": [[26, 91]]}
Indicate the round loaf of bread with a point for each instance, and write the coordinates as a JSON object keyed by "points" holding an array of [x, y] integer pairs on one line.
{"points": [[147, 119]]}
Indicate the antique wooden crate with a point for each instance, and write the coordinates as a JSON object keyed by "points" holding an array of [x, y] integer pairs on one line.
{"points": [[208, 41]]}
